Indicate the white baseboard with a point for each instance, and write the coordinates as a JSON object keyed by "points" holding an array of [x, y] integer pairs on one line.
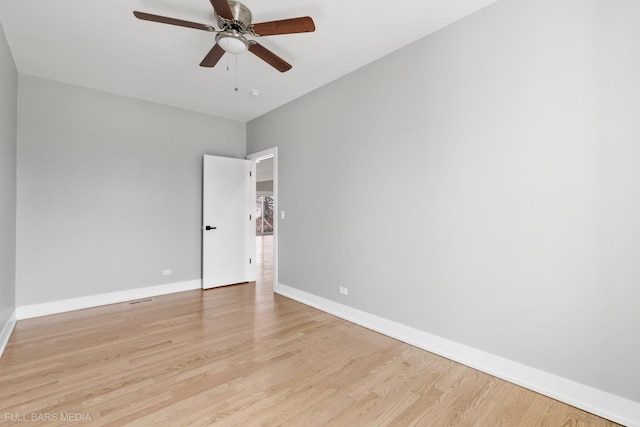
{"points": [[601, 403], [54, 307], [7, 329]]}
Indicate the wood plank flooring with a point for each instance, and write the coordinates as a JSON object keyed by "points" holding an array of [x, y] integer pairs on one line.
{"points": [[242, 355]]}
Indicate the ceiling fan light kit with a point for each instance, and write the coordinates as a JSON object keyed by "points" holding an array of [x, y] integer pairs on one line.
{"points": [[234, 20], [232, 42]]}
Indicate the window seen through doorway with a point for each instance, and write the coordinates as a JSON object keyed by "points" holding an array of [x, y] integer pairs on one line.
{"points": [[264, 216]]}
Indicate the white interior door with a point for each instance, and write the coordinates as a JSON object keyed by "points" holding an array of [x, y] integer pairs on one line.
{"points": [[228, 213]]}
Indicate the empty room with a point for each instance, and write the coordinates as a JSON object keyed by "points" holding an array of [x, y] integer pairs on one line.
{"points": [[305, 213]]}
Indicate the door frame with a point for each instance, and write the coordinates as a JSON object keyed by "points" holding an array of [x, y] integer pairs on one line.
{"points": [[265, 154]]}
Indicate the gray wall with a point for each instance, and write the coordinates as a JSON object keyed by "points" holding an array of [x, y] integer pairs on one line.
{"points": [[8, 129], [481, 184], [109, 190], [264, 186]]}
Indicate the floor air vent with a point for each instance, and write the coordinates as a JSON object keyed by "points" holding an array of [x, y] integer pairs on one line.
{"points": [[140, 301]]}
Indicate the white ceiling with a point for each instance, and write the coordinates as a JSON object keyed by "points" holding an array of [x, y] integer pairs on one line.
{"points": [[101, 45]]}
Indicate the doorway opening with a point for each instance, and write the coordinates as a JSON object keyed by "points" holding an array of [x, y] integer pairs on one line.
{"points": [[266, 217]]}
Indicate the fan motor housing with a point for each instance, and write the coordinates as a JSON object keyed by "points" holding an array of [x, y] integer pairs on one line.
{"points": [[241, 17]]}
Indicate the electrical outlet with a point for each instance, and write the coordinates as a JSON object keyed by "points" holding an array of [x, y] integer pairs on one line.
{"points": [[344, 291], [166, 272]]}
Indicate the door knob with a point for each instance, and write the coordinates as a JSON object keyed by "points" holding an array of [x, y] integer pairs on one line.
{"points": [[208, 227]]}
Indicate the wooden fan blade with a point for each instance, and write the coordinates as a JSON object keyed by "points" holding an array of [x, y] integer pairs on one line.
{"points": [[269, 57], [286, 26], [172, 21], [222, 8], [213, 56]]}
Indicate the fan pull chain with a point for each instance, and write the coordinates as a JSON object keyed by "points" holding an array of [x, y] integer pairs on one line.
{"points": [[236, 73]]}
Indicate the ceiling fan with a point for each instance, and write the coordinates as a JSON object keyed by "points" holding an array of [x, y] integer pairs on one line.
{"points": [[234, 19]]}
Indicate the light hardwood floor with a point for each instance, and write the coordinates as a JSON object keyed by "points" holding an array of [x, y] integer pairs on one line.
{"points": [[242, 355]]}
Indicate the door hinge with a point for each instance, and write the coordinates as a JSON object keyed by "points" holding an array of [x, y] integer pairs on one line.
{"points": [[249, 260], [250, 173], [249, 217]]}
